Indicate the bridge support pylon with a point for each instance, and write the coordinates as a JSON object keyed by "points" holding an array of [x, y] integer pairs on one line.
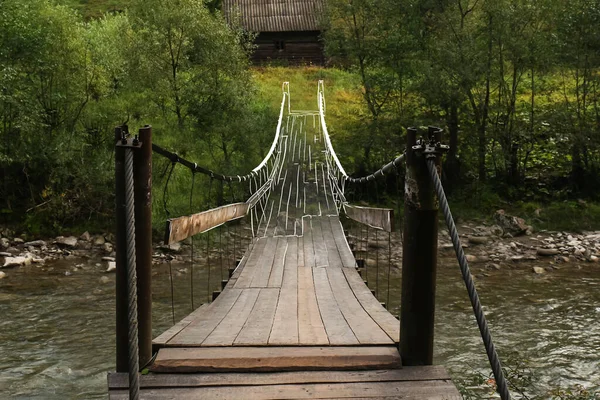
{"points": [[419, 259]]}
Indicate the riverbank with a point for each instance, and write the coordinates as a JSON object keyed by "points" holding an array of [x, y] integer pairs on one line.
{"points": [[508, 243]]}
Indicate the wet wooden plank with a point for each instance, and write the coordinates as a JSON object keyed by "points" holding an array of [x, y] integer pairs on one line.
{"points": [[418, 373], [378, 218], [342, 244], [207, 320], [257, 328], [276, 276], [254, 259], [285, 324], [183, 227], [257, 359], [265, 264], [310, 324], [338, 330], [380, 315], [365, 329], [229, 328]]}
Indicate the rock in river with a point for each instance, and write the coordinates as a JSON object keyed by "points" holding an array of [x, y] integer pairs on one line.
{"points": [[539, 270]]}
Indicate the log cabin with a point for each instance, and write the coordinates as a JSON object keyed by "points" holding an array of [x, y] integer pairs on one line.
{"points": [[287, 30]]}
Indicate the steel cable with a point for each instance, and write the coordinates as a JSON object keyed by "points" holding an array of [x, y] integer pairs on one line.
{"points": [[490, 349], [133, 359]]}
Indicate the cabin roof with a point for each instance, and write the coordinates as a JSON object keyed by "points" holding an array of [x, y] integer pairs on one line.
{"points": [[275, 15]]}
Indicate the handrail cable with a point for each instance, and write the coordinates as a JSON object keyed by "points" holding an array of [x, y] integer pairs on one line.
{"points": [[231, 178], [484, 330]]}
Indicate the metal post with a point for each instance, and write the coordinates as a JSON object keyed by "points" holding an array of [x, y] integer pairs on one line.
{"points": [[121, 258], [142, 164], [419, 261]]}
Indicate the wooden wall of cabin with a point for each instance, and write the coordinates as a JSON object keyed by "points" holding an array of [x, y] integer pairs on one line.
{"points": [[290, 47]]}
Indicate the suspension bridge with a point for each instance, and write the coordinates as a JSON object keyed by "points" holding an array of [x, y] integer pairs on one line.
{"points": [[295, 319]]}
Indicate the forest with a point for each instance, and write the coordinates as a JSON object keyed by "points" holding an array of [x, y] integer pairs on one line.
{"points": [[514, 83]]}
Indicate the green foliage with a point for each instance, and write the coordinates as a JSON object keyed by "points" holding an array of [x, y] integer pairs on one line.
{"points": [[66, 83]]}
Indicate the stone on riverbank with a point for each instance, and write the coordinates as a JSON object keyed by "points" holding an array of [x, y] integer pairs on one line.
{"points": [[547, 252], [17, 261], [478, 239], [112, 266], [86, 237], [70, 241], [511, 225], [36, 243]]}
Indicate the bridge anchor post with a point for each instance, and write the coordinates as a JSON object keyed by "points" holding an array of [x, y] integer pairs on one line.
{"points": [[142, 177], [419, 260]]}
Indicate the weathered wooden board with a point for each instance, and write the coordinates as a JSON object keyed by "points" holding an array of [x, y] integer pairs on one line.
{"points": [[378, 218], [167, 335], [418, 373], [424, 390], [226, 332], [206, 321], [365, 329], [257, 328], [310, 323], [285, 324], [338, 330], [249, 268], [342, 244], [256, 359], [371, 305], [182, 228]]}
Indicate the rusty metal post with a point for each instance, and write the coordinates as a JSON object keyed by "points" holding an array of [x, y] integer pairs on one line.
{"points": [[142, 174], [419, 260], [121, 258]]}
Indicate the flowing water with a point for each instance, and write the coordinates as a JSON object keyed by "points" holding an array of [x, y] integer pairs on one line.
{"points": [[57, 329]]}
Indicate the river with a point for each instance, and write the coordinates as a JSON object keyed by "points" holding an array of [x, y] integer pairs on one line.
{"points": [[57, 325]]}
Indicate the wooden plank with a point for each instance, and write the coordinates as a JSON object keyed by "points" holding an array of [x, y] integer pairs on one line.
{"points": [[331, 251], [265, 264], [310, 325], [319, 243], [378, 218], [167, 335], [338, 330], [285, 324], [182, 228], [365, 329], [205, 323], [257, 359], [418, 373], [384, 319], [254, 258], [257, 329], [424, 390], [343, 248], [276, 276], [300, 249], [229, 328], [309, 253]]}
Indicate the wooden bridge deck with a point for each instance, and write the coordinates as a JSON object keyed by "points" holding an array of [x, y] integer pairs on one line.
{"points": [[294, 304]]}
